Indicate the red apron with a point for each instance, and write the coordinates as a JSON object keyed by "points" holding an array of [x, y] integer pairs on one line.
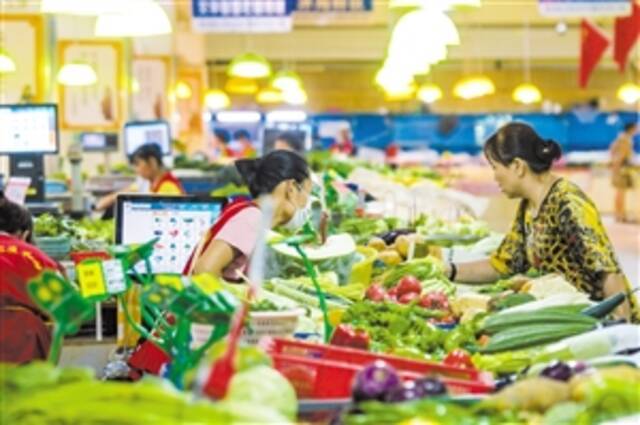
{"points": [[167, 177], [150, 358], [24, 334]]}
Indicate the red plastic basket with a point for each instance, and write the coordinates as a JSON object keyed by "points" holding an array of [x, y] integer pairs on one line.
{"points": [[326, 371], [80, 256]]}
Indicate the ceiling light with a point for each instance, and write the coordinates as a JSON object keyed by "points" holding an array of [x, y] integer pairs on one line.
{"points": [[427, 26], [429, 93], [183, 91], [7, 64], [629, 93], [269, 95], [140, 19], [527, 93], [392, 74], [216, 99], [474, 87], [286, 80], [241, 86], [243, 117], [77, 74], [249, 65], [286, 116], [295, 97], [399, 92]]}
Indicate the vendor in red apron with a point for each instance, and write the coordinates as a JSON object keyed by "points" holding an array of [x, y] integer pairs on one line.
{"points": [[24, 334], [227, 247]]}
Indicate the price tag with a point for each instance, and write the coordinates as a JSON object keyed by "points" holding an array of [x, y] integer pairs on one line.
{"points": [[114, 273], [91, 279], [171, 280]]}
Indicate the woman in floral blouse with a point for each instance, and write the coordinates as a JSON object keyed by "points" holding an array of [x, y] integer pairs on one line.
{"points": [[557, 228]]}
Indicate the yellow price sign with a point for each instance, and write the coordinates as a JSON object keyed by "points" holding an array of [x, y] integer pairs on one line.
{"points": [[171, 280], [91, 279]]}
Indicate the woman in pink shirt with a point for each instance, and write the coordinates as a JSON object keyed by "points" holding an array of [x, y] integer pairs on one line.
{"points": [[227, 246]]}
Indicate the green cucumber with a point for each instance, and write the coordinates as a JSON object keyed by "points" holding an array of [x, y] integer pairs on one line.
{"points": [[501, 322], [532, 335], [605, 307]]}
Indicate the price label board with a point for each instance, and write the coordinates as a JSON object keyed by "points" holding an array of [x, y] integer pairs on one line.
{"points": [[91, 279]]}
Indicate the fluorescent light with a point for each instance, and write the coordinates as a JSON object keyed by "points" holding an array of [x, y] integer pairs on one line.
{"points": [[286, 80], [286, 116], [269, 96], [429, 93], [77, 74], [244, 117], [527, 93], [629, 93], [216, 99], [7, 65], [249, 65]]}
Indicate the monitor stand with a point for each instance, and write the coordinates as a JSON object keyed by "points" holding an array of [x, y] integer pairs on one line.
{"points": [[32, 166]]}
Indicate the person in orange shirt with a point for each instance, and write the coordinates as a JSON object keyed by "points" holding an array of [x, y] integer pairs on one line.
{"points": [[147, 162], [244, 147], [24, 332]]}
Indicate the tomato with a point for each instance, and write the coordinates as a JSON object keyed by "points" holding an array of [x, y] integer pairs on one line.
{"points": [[393, 292], [408, 297], [409, 284], [435, 301], [376, 293], [459, 358]]}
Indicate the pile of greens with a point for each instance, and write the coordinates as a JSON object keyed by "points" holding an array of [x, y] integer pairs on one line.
{"points": [[85, 234], [364, 228]]}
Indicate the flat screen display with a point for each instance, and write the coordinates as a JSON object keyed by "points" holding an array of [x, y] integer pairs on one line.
{"points": [[140, 133], [99, 142], [28, 129]]}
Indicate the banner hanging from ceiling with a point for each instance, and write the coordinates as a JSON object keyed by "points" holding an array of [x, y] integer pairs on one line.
{"points": [[262, 16], [582, 8]]}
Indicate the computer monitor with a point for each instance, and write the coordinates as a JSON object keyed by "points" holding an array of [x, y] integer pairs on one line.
{"points": [[99, 142], [179, 222], [28, 129], [270, 136], [138, 133]]}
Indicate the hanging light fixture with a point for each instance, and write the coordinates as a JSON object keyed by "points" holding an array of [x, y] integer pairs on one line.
{"points": [[7, 64], [431, 26], [269, 95], [183, 91], [429, 93], [249, 65], [295, 97], [216, 99], [629, 93], [399, 93], [241, 86], [527, 94], [392, 74], [286, 80], [141, 18], [474, 87], [77, 74]]}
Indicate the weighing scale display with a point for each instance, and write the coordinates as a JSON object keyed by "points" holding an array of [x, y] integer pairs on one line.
{"points": [[141, 133], [28, 129], [179, 223]]}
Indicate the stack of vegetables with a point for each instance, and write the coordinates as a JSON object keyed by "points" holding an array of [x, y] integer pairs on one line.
{"points": [[85, 234]]}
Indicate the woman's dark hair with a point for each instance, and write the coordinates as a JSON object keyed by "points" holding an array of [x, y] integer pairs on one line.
{"points": [[14, 219], [222, 135], [292, 140], [518, 140], [262, 175], [147, 152], [631, 124], [241, 134]]}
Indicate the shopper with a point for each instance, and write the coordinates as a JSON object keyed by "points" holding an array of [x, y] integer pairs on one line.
{"points": [[24, 334], [227, 247], [557, 228], [343, 144], [621, 154], [220, 145], [289, 141], [243, 145], [147, 161]]}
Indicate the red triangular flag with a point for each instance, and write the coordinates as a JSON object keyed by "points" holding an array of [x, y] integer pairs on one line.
{"points": [[593, 45], [627, 31]]}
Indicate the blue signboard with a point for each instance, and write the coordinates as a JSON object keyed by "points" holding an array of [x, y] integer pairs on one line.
{"points": [[242, 15]]}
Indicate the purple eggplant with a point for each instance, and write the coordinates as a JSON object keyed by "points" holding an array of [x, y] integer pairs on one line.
{"points": [[374, 382], [406, 392], [427, 387], [559, 371]]}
